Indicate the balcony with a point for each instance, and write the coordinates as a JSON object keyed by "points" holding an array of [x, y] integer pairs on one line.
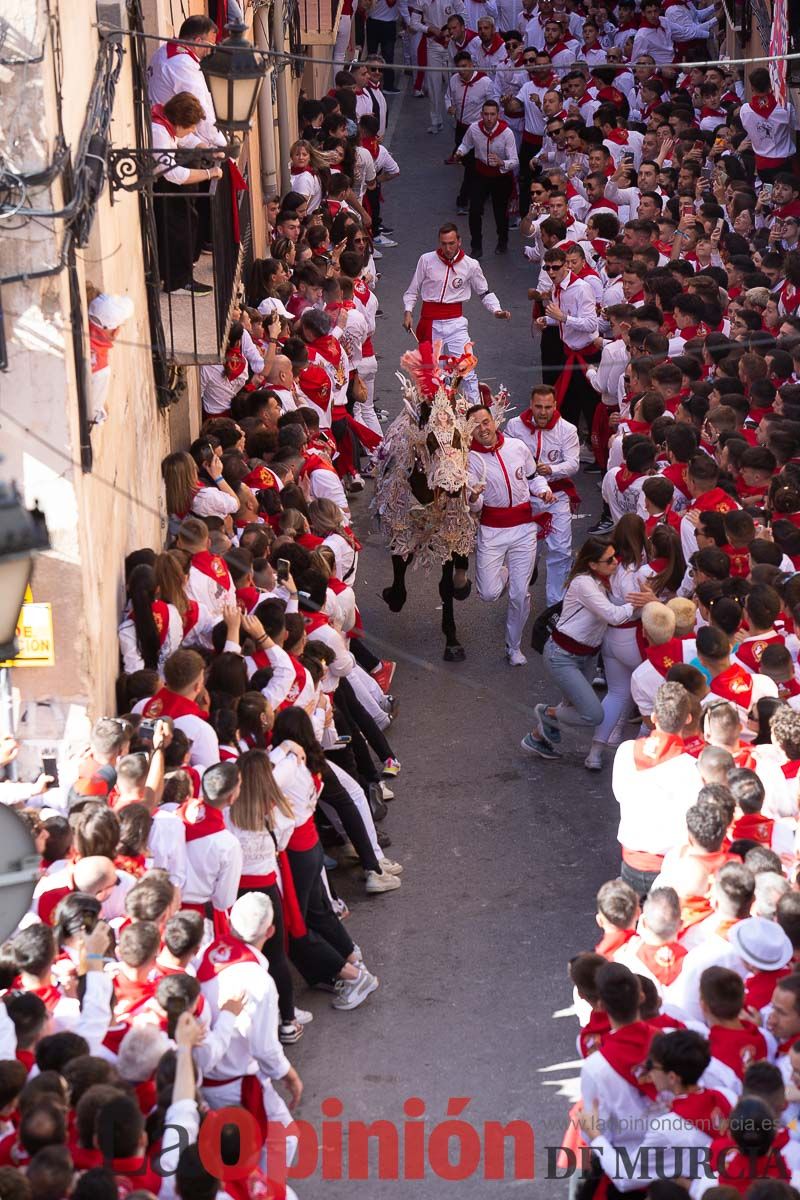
{"points": [[319, 21], [196, 327]]}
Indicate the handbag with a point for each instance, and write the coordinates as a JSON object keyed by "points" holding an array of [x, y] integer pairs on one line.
{"points": [[544, 625]]}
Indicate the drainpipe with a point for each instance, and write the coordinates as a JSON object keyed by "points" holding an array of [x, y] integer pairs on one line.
{"points": [[284, 134], [270, 183]]}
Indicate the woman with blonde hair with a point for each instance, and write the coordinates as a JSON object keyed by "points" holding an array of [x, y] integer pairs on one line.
{"points": [[186, 493], [309, 170], [171, 570], [327, 521], [262, 822]]}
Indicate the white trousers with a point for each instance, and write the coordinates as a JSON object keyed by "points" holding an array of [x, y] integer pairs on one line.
{"points": [[340, 50], [436, 81], [621, 657], [229, 1095], [365, 412], [453, 333], [557, 548], [514, 549], [369, 694]]}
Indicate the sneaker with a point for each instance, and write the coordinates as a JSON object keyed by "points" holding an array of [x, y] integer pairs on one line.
{"points": [[383, 240], [604, 525], [348, 854], [599, 680], [382, 414], [391, 767], [289, 1032], [594, 760], [330, 864], [352, 992], [303, 1017], [451, 161], [357, 952], [586, 454], [386, 791], [515, 658], [193, 288], [377, 254], [384, 674], [418, 95], [383, 839], [593, 468], [340, 908], [356, 482], [539, 746], [387, 229], [379, 882], [462, 210], [434, 129], [391, 868], [550, 729]]}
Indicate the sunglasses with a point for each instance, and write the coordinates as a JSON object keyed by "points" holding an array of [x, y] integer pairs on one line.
{"points": [[611, 559]]}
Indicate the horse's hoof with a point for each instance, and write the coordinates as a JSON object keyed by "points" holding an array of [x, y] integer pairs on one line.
{"points": [[394, 598], [454, 653], [461, 593]]}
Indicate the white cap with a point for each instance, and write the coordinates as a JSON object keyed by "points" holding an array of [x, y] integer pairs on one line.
{"points": [[273, 305], [110, 311], [250, 916]]}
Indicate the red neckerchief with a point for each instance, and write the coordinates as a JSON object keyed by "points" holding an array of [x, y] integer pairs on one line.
{"points": [[260, 478], [665, 656], [755, 826], [314, 462], [495, 44], [131, 994], [248, 598], [157, 117], [499, 128], [663, 962], [293, 171], [329, 348], [763, 105], [161, 618], [529, 423], [600, 246], [737, 1171], [190, 617], [372, 144], [648, 24], [235, 362], [213, 566], [788, 689], [174, 48], [613, 940], [749, 651], [625, 1050], [625, 478], [200, 820], [707, 1109], [619, 137], [100, 344], [734, 684], [132, 864], [758, 990], [739, 559], [594, 1032], [169, 704], [314, 621], [737, 1048], [559, 48], [476, 445], [224, 952], [709, 112], [715, 500], [657, 748]]}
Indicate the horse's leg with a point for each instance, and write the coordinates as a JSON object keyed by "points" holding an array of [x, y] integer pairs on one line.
{"points": [[395, 596], [453, 650]]}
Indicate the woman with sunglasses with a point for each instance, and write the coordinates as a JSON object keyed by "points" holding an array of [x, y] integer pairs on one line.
{"points": [[570, 655]]}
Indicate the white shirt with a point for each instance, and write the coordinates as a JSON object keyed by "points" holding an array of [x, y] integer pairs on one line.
{"points": [[213, 869], [205, 744], [655, 42], [167, 843], [466, 98], [131, 655], [772, 136], [588, 610], [557, 448], [210, 595], [502, 144], [621, 502], [509, 475], [576, 300], [295, 781], [306, 183], [653, 802], [434, 12], [170, 73], [448, 282], [606, 376], [254, 1046]]}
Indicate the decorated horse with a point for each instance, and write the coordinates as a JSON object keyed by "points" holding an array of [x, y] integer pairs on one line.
{"points": [[421, 485]]}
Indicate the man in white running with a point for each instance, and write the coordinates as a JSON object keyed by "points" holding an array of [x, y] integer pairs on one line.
{"points": [[444, 280], [502, 483]]}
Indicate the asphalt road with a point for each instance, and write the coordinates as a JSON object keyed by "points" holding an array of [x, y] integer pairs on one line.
{"points": [[503, 853]]}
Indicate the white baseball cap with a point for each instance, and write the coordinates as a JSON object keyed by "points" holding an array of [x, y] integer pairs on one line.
{"points": [[110, 311], [273, 305]]}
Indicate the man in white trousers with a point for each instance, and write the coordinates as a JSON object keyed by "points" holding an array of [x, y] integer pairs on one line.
{"points": [[431, 21], [444, 281], [502, 482], [555, 446]]}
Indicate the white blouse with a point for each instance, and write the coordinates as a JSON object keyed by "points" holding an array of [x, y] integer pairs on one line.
{"points": [[589, 609]]}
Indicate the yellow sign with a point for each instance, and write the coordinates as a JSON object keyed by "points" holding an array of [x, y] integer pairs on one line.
{"points": [[34, 638]]}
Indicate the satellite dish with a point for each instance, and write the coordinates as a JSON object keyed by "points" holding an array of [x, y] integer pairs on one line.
{"points": [[19, 870]]}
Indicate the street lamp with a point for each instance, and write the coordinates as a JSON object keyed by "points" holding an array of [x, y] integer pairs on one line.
{"points": [[22, 534], [234, 74]]}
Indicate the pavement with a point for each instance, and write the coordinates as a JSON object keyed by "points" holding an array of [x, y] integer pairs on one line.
{"points": [[503, 853]]}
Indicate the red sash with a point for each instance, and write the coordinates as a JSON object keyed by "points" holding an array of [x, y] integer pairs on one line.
{"points": [[626, 1050], [734, 684], [225, 951], [663, 962], [433, 311], [656, 748], [213, 566], [749, 652], [612, 940], [594, 1033], [169, 704]]}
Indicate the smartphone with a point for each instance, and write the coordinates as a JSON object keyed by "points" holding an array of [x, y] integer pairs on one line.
{"points": [[49, 768], [282, 569], [206, 453], [766, 191]]}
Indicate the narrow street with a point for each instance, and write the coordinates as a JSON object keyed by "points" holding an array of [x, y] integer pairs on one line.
{"points": [[503, 853]]}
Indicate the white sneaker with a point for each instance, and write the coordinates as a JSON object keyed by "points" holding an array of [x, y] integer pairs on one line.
{"points": [[356, 482], [434, 129], [515, 658], [594, 759], [377, 254], [352, 992], [303, 1017], [383, 240], [358, 954], [386, 791], [391, 868], [377, 883]]}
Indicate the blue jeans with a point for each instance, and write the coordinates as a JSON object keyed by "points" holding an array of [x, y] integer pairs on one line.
{"points": [[573, 674]]}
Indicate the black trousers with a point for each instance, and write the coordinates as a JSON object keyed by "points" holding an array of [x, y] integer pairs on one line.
{"points": [[468, 163], [321, 954], [552, 352], [580, 398], [498, 189], [363, 655], [382, 35], [176, 224], [275, 952], [342, 803], [375, 736]]}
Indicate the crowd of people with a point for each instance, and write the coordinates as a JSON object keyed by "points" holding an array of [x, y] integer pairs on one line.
{"points": [[190, 855]]}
